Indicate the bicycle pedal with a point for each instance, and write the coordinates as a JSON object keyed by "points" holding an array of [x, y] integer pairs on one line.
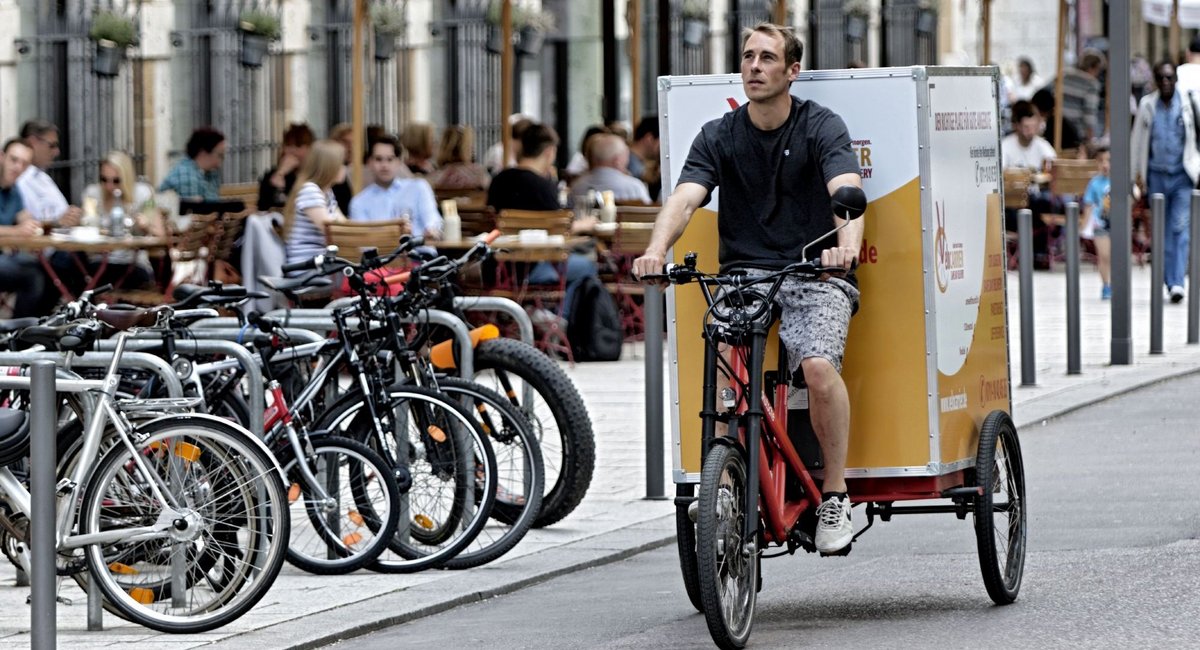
{"points": [[842, 553]]}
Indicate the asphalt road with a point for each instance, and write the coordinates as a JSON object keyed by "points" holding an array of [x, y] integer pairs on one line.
{"points": [[1114, 557]]}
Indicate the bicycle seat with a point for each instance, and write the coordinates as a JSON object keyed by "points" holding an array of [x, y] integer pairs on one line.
{"points": [[14, 435], [298, 285], [122, 319], [8, 326], [187, 295]]}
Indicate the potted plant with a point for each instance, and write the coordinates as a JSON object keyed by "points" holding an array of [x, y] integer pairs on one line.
{"points": [[531, 25], [857, 12], [495, 33], [389, 23], [258, 29], [695, 22], [113, 32], [926, 17]]}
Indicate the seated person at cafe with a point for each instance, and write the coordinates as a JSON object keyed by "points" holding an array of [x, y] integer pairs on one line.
{"points": [[197, 177], [1025, 149], [457, 169], [528, 187], [118, 185], [20, 273], [278, 182], [312, 204], [42, 197], [389, 197], [607, 161]]}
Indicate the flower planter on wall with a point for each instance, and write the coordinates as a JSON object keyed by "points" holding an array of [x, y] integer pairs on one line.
{"points": [[694, 30], [856, 27], [385, 45], [530, 41], [109, 57], [254, 49]]}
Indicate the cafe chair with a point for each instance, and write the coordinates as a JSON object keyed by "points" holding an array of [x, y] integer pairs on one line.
{"points": [[352, 237], [629, 242], [517, 260]]}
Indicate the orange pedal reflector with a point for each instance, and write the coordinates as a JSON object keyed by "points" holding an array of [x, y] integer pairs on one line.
{"points": [[142, 595], [293, 493], [436, 433], [187, 451], [352, 539], [122, 569], [423, 521], [355, 518]]}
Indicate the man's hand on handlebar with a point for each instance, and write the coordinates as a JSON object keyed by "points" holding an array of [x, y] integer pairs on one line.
{"points": [[842, 256], [650, 263]]}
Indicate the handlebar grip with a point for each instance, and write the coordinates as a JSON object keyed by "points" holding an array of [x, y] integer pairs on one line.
{"points": [[491, 236], [302, 265], [104, 288]]}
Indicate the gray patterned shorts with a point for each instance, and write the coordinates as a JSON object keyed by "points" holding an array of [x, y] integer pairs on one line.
{"points": [[815, 317]]}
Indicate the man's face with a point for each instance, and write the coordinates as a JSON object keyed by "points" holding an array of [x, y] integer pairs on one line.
{"points": [[1103, 164], [299, 152], [764, 74], [383, 163], [45, 147], [15, 161], [211, 160], [1027, 127], [1164, 78]]}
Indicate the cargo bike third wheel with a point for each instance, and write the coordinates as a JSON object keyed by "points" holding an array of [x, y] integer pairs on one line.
{"points": [[1000, 512]]}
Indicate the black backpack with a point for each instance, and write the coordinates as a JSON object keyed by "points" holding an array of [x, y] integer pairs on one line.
{"points": [[594, 324]]}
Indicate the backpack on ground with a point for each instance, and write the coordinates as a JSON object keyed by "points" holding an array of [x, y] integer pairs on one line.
{"points": [[594, 324]]}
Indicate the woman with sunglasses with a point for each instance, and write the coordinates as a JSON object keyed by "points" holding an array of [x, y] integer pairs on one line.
{"points": [[118, 186]]}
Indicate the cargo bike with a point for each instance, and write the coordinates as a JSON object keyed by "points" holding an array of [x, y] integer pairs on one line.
{"points": [[926, 370]]}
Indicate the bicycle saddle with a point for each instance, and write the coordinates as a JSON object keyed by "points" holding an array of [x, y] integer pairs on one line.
{"points": [[11, 325], [121, 319], [298, 285], [14, 435], [189, 295]]}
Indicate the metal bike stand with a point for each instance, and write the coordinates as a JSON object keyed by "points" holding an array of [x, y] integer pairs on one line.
{"points": [[43, 384], [503, 305], [136, 360], [257, 401]]}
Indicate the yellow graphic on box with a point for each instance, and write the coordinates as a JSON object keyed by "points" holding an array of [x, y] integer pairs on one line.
{"points": [[982, 384], [885, 367]]}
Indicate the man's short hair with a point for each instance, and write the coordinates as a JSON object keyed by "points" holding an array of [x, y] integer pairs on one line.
{"points": [[536, 139], [646, 125], [1194, 46], [1043, 100], [11, 141], [1022, 110], [605, 148], [37, 128], [793, 49], [385, 139], [298, 134], [1100, 148], [1091, 60], [203, 140]]}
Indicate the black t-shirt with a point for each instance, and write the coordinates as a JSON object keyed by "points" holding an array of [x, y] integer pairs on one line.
{"points": [[774, 198], [521, 189]]}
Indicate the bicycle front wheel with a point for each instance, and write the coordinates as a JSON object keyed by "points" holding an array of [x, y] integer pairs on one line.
{"points": [[350, 520], [728, 577], [228, 533]]}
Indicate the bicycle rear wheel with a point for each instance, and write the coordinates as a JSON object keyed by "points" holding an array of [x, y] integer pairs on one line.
{"points": [[355, 526], [728, 578], [231, 529]]}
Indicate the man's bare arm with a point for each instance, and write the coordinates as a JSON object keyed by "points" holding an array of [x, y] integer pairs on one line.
{"points": [[669, 226], [850, 237]]}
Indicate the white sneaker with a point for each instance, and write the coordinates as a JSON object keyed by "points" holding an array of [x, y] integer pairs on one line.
{"points": [[1176, 294], [834, 530]]}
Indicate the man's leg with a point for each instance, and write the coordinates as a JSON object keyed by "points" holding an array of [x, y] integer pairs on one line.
{"points": [[829, 409], [22, 275], [1178, 221]]}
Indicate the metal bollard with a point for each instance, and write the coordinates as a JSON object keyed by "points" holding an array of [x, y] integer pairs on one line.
{"points": [[42, 461], [1193, 329], [652, 310], [1158, 209], [1025, 264], [1073, 344]]}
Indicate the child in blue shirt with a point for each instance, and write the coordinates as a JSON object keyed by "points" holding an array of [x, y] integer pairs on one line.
{"points": [[1094, 219]]}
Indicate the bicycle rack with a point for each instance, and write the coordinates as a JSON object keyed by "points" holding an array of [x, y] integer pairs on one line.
{"points": [[152, 341], [475, 303], [139, 360]]}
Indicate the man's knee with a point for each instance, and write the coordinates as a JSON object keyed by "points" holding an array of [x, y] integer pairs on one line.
{"points": [[820, 374]]}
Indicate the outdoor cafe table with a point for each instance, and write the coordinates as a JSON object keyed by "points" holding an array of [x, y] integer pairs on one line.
{"points": [[45, 245]]}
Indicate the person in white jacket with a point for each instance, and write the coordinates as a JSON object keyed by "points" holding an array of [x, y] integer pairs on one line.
{"points": [[1165, 160]]}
